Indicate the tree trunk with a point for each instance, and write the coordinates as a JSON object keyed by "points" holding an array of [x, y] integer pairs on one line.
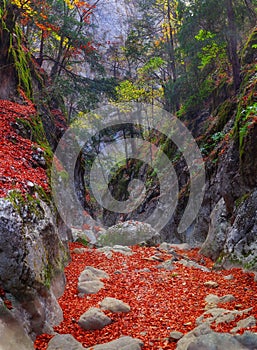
{"points": [[170, 43], [232, 45], [8, 76]]}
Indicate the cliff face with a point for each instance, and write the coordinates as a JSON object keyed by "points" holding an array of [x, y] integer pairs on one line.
{"points": [[33, 239], [226, 133], [226, 224]]}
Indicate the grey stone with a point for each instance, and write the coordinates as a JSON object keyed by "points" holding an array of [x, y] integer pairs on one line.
{"points": [[122, 249], [246, 322], [214, 299], [180, 246], [220, 315], [229, 277], [94, 319], [227, 298], [91, 273], [190, 263], [215, 341], [218, 228], [90, 287], [115, 249], [114, 305], [64, 342], [203, 338], [175, 336], [89, 281], [123, 343], [240, 248], [79, 250], [12, 334], [97, 272], [188, 338], [248, 339], [166, 265], [167, 247], [211, 284], [129, 233], [31, 260]]}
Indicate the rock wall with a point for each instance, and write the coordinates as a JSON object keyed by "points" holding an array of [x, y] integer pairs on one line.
{"points": [[32, 256]]}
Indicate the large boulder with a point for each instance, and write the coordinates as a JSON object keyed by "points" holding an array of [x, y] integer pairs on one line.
{"points": [[94, 319], [64, 342], [32, 255], [129, 233], [218, 228], [12, 335], [240, 247], [203, 338]]}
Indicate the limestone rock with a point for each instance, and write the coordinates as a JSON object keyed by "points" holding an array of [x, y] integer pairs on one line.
{"points": [[79, 250], [31, 260], [214, 243], [94, 319], [247, 322], [215, 341], [129, 233], [211, 284], [240, 248], [220, 315], [190, 263], [203, 338], [12, 335], [115, 249], [64, 342], [213, 300], [89, 281], [166, 265], [90, 287], [91, 273], [181, 246], [248, 339], [175, 336], [84, 235], [114, 305], [123, 343]]}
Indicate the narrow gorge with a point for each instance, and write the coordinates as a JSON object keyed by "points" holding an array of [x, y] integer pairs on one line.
{"points": [[100, 261]]}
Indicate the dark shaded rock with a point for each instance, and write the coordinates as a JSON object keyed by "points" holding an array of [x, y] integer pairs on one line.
{"points": [[32, 256], [214, 243], [241, 245], [12, 335]]}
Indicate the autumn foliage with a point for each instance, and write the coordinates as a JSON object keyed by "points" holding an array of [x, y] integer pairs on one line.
{"points": [[161, 301], [17, 166]]}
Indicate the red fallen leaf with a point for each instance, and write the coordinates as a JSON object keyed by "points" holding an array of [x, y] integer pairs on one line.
{"points": [[17, 166], [155, 297], [86, 227], [8, 304]]}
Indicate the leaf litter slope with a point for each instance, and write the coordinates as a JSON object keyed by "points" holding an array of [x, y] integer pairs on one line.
{"points": [[161, 301], [17, 166]]}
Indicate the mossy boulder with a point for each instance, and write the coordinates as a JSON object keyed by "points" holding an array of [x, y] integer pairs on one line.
{"points": [[129, 233], [249, 53], [33, 253]]}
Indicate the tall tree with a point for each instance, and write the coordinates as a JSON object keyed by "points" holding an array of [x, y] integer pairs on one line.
{"points": [[233, 44]]}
